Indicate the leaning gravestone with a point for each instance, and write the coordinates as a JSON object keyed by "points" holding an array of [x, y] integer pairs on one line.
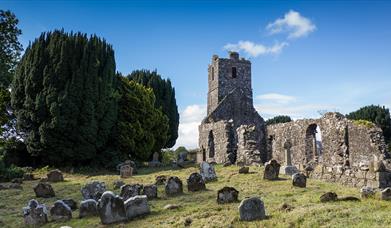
{"points": [[150, 191], [60, 211], [88, 208], [111, 208], [195, 182], [55, 176], [44, 190], [174, 186], [252, 209], [272, 169], [386, 194], [93, 190], [299, 180], [137, 206], [130, 190], [227, 195], [207, 172], [35, 214]]}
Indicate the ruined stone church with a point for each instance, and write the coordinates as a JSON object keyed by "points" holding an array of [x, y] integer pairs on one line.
{"points": [[232, 131]]}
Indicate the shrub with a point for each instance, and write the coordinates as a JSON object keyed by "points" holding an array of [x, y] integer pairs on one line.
{"points": [[364, 123]]}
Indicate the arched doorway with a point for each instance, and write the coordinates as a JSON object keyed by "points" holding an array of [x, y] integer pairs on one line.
{"points": [[211, 145]]}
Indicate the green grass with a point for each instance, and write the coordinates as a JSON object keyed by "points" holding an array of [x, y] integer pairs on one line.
{"points": [[202, 208]]}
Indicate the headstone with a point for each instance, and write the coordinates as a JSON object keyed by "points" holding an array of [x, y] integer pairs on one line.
{"points": [[195, 182], [367, 192], [60, 211], [299, 180], [328, 197], [173, 186], [207, 172], [126, 171], [182, 156], [227, 195], [35, 214], [128, 162], [150, 191], [88, 208], [252, 209], [137, 206], [386, 194], [288, 159], [71, 203], [93, 190], [244, 169], [44, 190], [161, 180], [111, 208], [272, 169], [289, 170], [130, 190], [118, 183], [55, 176]]}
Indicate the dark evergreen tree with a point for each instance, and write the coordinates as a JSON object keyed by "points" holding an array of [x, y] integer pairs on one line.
{"points": [[141, 127], [10, 47], [278, 119], [165, 99], [376, 114], [63, 95]]}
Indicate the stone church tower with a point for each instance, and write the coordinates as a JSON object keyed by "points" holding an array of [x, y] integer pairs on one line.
{"points": [[232, 131]]}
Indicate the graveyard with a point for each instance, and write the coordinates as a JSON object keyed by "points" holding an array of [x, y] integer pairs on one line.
{"points": [[303, 206]]}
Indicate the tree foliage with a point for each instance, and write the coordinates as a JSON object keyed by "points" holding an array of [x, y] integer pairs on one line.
{"points": [[64, 99], [378, 115], [165, 99], [278, 119], [10, 47], [141, 128]]}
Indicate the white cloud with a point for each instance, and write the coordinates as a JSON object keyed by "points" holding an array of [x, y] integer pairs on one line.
{"points": [[296, 111], [190, 119], [254, 49], [292, 23], [276, 97]]}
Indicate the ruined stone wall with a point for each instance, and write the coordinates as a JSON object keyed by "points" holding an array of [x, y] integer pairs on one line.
{"points": [[351, 154]]}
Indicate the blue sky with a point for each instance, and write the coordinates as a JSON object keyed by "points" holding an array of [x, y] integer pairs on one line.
{"points": [[306, 55]]}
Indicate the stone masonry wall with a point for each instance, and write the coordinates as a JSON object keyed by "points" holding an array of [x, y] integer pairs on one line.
{"points": [[351, 154]]}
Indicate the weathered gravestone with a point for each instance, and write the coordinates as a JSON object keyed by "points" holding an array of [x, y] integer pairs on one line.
{"points": [[130, 190], [55, 176], [71, 203], [88, 208], [288, 168], [329, 197], [173, 186], [299, 180], [137, 206], [111, 208], [44, 190], [150, 191], [227, 195], [272, 169], [93, 190], [195, 182], [155, 160], [35, 214], [126, 171], [60, 211], [207, 172], [252, 209]]}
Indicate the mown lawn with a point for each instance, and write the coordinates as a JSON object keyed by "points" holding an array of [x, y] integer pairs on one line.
{"points": [[202, 209]]}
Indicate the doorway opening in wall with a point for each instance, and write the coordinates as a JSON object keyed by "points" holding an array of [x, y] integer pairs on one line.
{"points": [[313, 144], [211, 145], [203, 154]]}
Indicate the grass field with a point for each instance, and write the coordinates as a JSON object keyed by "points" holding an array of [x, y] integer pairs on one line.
{"points": [[202, 209]]}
